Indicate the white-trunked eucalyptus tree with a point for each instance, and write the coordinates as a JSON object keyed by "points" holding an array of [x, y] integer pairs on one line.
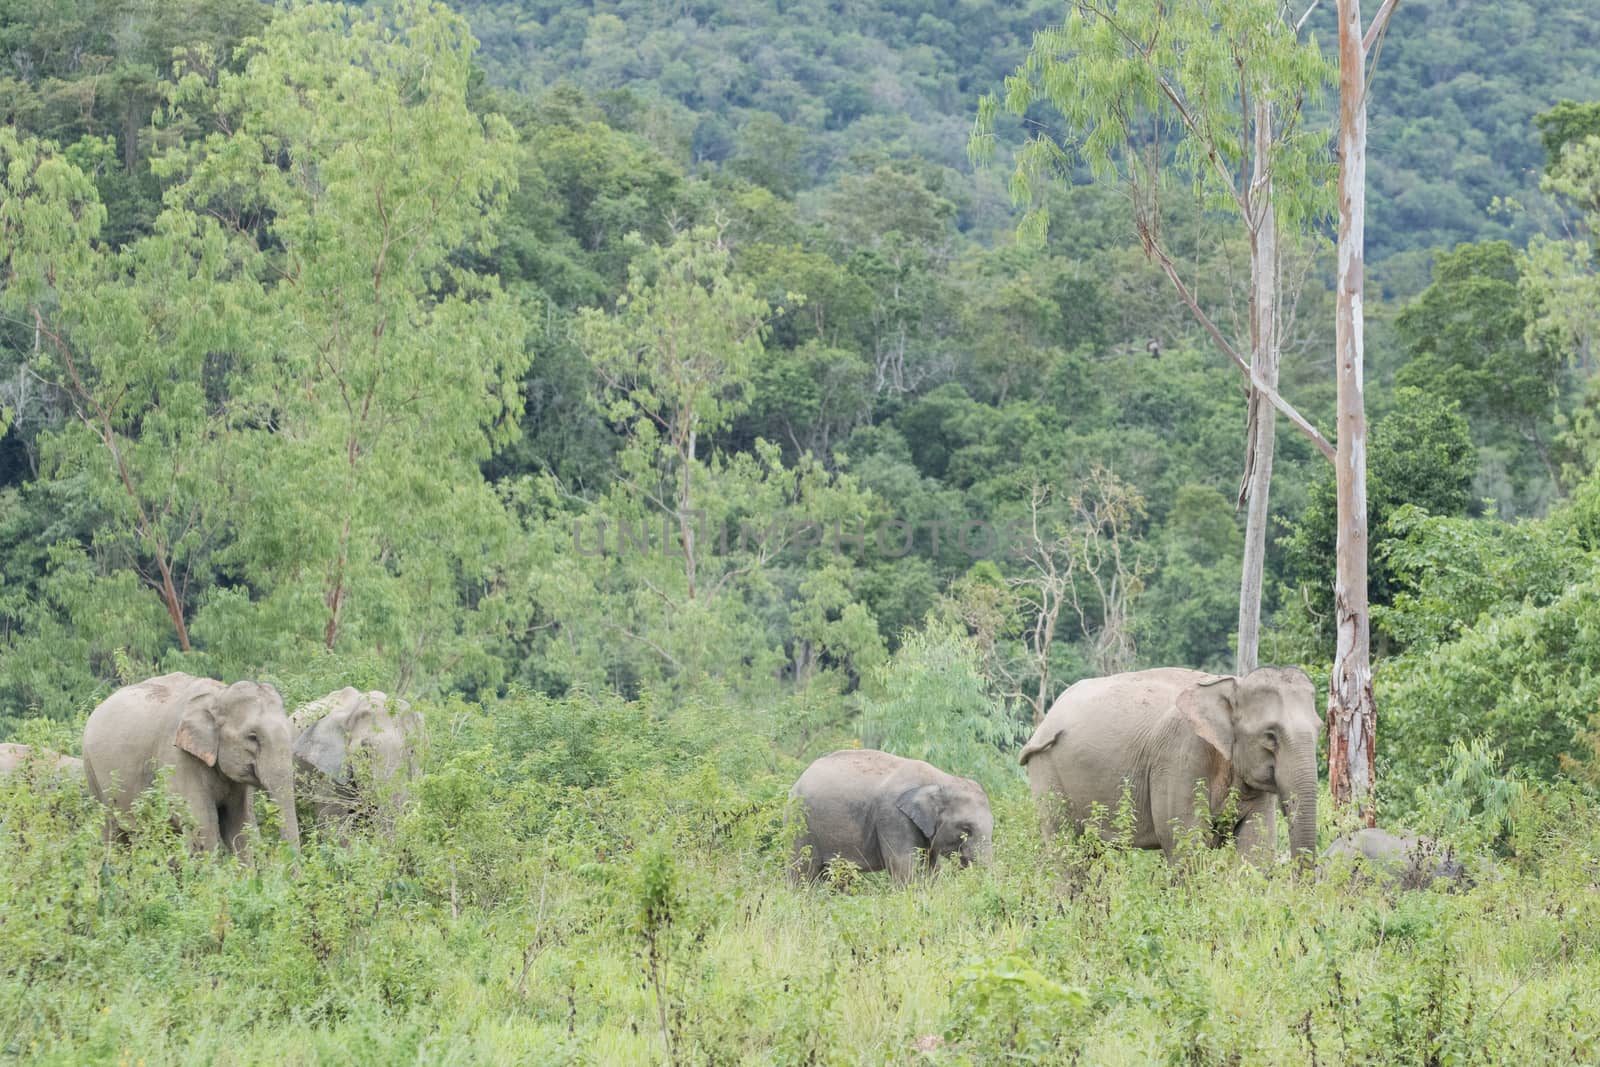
{"points": [[1214, 93], [1352, 712], [1229, 79]]}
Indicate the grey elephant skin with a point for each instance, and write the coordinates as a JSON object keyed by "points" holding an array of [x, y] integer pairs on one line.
{"points": [[14, 757], [1160, 732], [222, 743], [879, 811], [355, 752], [1404, 861]]}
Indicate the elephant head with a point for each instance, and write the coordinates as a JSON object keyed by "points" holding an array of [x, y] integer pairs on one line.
{"points": [[242, 732], [358, 736], [1265, 727], [955, 818]]}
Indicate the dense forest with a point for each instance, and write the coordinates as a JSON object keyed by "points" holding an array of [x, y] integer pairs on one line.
{"points": [[659, 397]]}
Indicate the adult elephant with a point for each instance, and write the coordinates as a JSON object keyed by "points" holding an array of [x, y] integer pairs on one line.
{"points": [[1159, 733], [880, 811], [222, 742], [353, 751]]}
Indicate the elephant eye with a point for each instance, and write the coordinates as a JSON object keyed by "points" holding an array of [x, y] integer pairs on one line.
{"points": [[253, 737], [1272, 738]]}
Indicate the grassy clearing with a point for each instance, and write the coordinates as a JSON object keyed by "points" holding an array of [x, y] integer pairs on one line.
{"points": [[520, 918]]}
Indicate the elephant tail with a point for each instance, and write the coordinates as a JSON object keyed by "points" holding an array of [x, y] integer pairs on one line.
{"points": [[1038, 743]]}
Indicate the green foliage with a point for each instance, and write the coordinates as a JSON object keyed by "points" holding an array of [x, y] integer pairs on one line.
{"points": [[1568, 123], [1520, 679], [1186, 614], [903, 372], [1420, 456], [1454, 95], [533, 951], [396, 397], [676, 359], [1475, 804], [1561, 277], [935, 706], [230, 339], [329, 358], [1450, 573], [1007, 1008], [1465, 339], [1190, 73]]}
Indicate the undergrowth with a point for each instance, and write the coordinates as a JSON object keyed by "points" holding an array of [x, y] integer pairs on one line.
{"points": [[583, 881]]}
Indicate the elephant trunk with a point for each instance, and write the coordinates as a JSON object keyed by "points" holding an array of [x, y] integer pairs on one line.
{"points": [[1300, 805], [279, 785]]}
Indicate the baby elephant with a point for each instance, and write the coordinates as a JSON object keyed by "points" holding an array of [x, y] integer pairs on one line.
{"points": [[878, 811], [354, 751], [54, 765], [1407, 861]]}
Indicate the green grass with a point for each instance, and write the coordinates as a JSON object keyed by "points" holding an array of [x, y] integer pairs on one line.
{"points": [[516, 919]]}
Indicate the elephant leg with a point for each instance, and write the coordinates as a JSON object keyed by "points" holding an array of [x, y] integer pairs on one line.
{"points": [[899, 846], [207, 835], [236, 815], [1175, 819], [1257, 836], [805, 865], [902, 865]]}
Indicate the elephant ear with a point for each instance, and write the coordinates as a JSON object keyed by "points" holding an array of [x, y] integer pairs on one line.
{"points": [[410, 721], [1207, 706], [198, 729], [322, 747], [921, 806]]}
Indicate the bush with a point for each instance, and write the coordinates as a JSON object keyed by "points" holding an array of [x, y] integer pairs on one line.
{"points": [[1517, 680], [935, 706]]}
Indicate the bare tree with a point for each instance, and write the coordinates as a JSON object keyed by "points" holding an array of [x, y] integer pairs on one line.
{"points": [[1081, 558], [1352, 712], [1228, 80]]}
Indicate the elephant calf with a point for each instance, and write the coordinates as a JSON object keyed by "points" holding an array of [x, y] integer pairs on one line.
{"points": [[879, 811], [354, 750], [14, 757], [1406, 861], [222, 743]]}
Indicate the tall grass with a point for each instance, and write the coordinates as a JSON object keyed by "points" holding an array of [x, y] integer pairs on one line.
{"points": [[627, 902]]}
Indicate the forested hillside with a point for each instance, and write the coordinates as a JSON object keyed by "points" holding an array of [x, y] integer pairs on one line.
{"points": [[793, 95], [659, 397], [892, 355]]}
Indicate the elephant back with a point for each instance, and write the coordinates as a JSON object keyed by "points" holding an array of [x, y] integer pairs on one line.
{"points": [[1135, 697]]}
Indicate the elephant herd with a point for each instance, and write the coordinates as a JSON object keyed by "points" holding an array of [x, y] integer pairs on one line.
{"points": [[1189, 752], [349, 754]]}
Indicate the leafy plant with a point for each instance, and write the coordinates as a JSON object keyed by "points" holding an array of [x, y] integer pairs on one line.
{"points": [[935, 706]]}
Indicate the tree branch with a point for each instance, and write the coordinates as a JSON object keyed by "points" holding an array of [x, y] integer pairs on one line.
{"points": [[1300, 23], [1297, 420], [144, 527], [1379, 22], [1171, 94]]}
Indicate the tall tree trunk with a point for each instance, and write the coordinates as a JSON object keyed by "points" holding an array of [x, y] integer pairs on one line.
{"points": [[685, 523], [335, 596], [1257, 488], [1352, 714]]}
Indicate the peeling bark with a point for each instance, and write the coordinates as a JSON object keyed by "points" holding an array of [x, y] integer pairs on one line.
{"points": [[1352, 712]]}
